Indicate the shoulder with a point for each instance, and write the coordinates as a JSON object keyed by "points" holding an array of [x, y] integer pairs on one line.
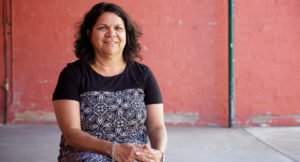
{"points": [[76, 68], [142, 68], [76, 65]]}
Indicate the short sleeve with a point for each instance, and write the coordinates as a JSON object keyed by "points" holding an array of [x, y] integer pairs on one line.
{"points": [[152, 91], [68, 85]]}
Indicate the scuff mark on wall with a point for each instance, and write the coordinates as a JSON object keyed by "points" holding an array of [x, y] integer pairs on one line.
{"points": [[35, 116], [273, 119], [189, 118]]}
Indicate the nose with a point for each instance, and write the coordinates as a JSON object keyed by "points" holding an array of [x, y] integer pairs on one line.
{"points": [[111, 32]]}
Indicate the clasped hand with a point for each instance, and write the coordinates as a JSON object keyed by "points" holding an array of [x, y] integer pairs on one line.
{"points": [[134, 152]]}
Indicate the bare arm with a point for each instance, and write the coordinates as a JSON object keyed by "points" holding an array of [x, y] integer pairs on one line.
{"points": [[68, 118], [156, 127]]}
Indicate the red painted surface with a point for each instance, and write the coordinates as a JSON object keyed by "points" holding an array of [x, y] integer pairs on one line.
{"points": [[2, 97], [267, 62], [184, 42]]}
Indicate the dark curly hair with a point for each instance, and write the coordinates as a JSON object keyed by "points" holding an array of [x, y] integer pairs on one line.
{"points": [[84, 49]]}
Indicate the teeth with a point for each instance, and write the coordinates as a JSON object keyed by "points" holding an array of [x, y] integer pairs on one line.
{"points": [[110, 42]]}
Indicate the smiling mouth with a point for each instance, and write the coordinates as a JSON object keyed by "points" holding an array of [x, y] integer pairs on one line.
{"points": [[110, 42]]}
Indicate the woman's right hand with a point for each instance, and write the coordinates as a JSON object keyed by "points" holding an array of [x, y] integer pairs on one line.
{"points": [[126, 153]]}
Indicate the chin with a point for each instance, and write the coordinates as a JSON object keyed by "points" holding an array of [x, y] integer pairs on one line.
{"points": [[112, 53]]}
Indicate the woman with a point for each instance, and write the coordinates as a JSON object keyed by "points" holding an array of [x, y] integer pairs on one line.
{"points": [[106, 104]]}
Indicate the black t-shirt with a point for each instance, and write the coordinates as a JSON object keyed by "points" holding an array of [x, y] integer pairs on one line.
{"points": [[78, 78]]}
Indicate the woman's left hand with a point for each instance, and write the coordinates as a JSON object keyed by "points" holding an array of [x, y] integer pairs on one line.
{"points": [[149, 155]]}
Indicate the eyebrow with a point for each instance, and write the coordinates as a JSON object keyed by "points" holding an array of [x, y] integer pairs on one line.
{"points": [[108, 25]]}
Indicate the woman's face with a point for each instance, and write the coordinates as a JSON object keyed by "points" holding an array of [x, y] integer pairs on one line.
{"points": [[108, 35]]}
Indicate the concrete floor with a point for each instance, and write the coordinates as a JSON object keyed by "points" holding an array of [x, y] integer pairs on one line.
{"points": [[37, 143]]}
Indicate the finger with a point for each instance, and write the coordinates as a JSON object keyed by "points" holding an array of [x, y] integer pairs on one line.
{"points": [[147, 149], [143, 159], [145, 156], [139, 148], [137, 153]]}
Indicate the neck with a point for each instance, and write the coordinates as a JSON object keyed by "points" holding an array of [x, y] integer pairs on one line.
{"points": [[109, 67]]}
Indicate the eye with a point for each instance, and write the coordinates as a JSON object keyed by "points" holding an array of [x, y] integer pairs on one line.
{"points": [[102, 28], [119, 28]]}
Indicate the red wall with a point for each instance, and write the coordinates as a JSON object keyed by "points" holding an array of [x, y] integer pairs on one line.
{"points": [[2, 97], [267, 62], [184, 42]]}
